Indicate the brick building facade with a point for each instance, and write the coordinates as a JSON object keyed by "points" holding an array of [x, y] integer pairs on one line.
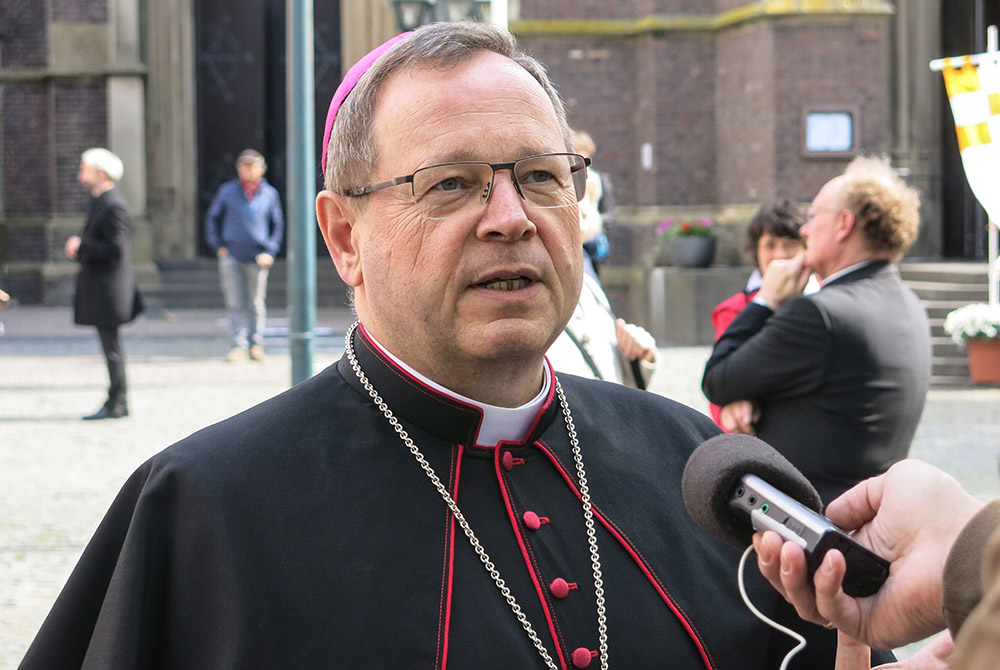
{"points": [[697, 108]]}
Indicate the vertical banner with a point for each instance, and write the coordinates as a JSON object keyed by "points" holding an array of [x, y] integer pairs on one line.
{"points": [[974, 94]]}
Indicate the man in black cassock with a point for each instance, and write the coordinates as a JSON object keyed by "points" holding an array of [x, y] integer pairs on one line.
{"points": [[438, 498], [106, 295]]}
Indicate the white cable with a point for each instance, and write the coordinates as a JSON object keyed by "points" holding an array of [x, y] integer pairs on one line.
{"points": [[763, 617]]}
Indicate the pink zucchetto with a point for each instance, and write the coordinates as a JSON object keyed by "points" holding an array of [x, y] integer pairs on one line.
{"points": [[347, 85]]}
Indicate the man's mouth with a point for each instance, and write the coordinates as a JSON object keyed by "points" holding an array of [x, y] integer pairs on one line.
{"points": [[512, 284]]}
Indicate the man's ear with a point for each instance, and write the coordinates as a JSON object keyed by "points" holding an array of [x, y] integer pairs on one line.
{"points": [[845, 224], [336, 218]]}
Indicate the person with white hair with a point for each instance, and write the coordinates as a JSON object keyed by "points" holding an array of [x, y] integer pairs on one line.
{"points": [[106, 294]]}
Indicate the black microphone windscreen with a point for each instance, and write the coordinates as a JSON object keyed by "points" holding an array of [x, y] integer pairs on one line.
{"points": [[715, 467]]}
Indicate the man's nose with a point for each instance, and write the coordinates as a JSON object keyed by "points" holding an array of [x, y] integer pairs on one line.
{"points": [[504, 214]]}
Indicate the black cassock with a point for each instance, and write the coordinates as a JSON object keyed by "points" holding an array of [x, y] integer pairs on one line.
{"points": [[302, 533]]}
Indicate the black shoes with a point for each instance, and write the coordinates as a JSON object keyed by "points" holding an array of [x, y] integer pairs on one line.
{"points": [[111, 410]]}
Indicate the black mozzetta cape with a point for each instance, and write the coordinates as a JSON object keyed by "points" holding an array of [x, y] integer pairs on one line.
{"points": [[303, 534]]}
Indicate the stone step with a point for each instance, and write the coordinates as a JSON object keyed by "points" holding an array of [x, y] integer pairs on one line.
{"points": [[950, 365], [944, 347], [195, 284], [948, 292], [956, 381], [949, 272], [943, 287]]}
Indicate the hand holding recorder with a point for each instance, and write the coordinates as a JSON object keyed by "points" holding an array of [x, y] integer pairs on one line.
{"points": [[911, 517]]}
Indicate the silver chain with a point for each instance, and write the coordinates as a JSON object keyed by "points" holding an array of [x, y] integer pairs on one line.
{"points": [[588, 513]]}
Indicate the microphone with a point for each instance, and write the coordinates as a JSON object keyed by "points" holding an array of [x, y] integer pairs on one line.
{"points": [[734, 485], [716, 467]]}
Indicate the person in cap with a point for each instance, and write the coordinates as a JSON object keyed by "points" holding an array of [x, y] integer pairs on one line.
{"points": [[244, 227], [106, 295], [439, 497]]}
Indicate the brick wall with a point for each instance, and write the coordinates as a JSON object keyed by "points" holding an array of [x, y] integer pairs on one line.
{"points": [[80, 10], [25, 34], [839, 62], [683, 77], [27, 151], [745, 114], [722, 110], [80, 122]]}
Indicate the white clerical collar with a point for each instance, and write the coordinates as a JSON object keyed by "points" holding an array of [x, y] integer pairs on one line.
{"points": [[500, 424], [840, 273]]}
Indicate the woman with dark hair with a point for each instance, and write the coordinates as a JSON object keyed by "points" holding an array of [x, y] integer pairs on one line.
{"points": [[773, 233]]}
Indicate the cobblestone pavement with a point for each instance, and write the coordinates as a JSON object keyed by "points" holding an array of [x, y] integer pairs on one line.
{"points": [[58, 475]]}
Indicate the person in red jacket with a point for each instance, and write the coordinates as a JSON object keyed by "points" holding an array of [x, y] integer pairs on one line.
{"points": [[773, 233]]}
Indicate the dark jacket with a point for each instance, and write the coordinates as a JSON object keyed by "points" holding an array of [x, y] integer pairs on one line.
{"points": [[841, 375], [302, 533], [106, 294]]}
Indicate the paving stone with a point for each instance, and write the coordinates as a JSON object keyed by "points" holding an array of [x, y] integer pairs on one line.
{"points": [[58, 474]]}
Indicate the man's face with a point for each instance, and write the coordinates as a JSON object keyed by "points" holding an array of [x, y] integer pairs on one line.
{"points": [[771, 247], [821, 229], [88, 176], [249, 172], [437, 292]]}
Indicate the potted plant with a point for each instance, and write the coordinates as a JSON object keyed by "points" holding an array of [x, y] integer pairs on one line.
{"points": [[977, 328], [691, 244]]}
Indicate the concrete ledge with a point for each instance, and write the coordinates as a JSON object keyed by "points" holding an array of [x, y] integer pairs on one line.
{"points": [[681, 301]]}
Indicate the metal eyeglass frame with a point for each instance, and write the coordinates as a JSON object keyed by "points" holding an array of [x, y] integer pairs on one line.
{"points": [[408, 179]]}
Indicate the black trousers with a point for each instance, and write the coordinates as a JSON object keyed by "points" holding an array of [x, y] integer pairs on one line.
{"points": [[115, 356]]}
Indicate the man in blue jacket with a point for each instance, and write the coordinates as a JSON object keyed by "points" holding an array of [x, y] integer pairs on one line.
{"points": [[244, 228]]}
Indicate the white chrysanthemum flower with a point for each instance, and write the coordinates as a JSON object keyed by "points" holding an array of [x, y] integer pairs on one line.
{"points": [[977, 320]]}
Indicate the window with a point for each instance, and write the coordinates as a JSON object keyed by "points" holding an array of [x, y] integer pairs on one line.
{"points": [[830, 132]]}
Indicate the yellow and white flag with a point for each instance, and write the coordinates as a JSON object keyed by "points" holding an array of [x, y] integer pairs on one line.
{"points": [[974, 94]]}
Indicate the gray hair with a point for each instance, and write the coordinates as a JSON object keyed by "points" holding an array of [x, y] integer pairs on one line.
{"points": [[353, 149], [105, 161]]}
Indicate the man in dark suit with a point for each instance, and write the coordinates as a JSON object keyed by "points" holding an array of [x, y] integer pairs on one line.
{"points": [[106, 295], [836, 379]]}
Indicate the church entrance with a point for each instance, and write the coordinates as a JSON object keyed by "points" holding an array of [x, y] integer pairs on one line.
{"points": [[240, 71]]}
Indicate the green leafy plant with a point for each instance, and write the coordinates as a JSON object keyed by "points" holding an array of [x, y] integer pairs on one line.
{"points": [[974, 321]]}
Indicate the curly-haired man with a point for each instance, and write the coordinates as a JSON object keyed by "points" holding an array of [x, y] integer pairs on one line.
{"points": [[837, 378]]}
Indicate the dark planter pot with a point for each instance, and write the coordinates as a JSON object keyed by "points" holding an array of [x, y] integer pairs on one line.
{"points": [[692, 252]]}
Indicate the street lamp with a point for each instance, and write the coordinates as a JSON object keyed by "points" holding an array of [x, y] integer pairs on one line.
{"points": [[472, 11], [411, 14]]}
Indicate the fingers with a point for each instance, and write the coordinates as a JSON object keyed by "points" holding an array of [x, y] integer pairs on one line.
{"points": [[858, 505], [768, 546], [784, 565], [851, 654], [634, 341], [744, 413], [798, 587], [72, 247], [264, 260]]}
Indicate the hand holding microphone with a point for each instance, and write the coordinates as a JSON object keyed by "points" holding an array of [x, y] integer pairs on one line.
{"points": [[910, 516], [734, 485]]}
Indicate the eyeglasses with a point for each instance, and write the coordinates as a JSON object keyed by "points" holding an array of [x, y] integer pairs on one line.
{"points": [[454, 189], [813, 212]]}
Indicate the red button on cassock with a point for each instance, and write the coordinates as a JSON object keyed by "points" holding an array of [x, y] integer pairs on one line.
{"points": [[560, 588], [508, 461], [533, 521], [582, 657]]}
